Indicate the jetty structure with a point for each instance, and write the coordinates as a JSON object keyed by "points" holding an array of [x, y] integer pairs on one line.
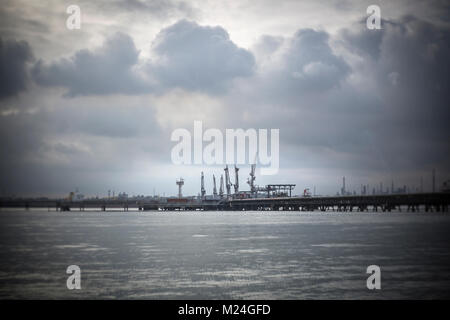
{"points": [[271, 197]]}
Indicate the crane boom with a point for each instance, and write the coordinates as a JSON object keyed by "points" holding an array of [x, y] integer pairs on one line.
{"points": [[227, 181], [251, 180], [202, 189], [236, 182], [221, 186], [214, 186]]}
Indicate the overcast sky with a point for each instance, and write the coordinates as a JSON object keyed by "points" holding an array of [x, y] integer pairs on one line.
{"points": [[94, 108]]}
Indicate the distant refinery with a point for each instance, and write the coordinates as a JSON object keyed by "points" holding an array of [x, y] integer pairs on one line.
{"points": [[378, 189], [285, 190], [227, 189], [271, 197], [271, 190]]}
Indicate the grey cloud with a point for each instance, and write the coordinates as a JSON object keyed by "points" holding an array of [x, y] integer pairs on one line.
{"points": [[417, 103], [12, 23], [189, 56], [390, 116], [409, 62], [311, 64], [14, 59], [160, 8], [304, 64], [75, 145], [267, 45], [199, 58], [381, 110], [363, 41], [106, 70], [403, 122]]}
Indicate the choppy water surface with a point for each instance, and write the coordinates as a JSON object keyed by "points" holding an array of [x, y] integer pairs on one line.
{"points": [[224, 255]]}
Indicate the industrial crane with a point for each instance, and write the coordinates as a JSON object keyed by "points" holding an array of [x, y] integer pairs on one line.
{"points": [[221, 186], [227, 181], [251, 180], [203, 191], [236, 182], [214, 186]]}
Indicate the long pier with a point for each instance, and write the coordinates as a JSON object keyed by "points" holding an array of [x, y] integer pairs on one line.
{"points": [[438, 202], [409, 202]]}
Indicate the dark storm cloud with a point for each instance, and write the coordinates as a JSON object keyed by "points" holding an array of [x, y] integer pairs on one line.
{"points": [[314, 65], [74, 145], [409, 61], [14, 59], [365, 101], [188, 56], [365, 41], [383, 108], [199, 58], [305, 64], [106, 70], [395, 118]]}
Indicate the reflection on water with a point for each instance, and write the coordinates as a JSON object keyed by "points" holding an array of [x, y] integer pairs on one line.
{"points": [[224, 255]]}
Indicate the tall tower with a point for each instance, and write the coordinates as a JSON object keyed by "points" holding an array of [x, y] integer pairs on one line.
{"points": [[202, 187], [180, 184], [343, 186], [227, 180], [251, 180], [236, 182], [214, 186], [221, 186]]}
